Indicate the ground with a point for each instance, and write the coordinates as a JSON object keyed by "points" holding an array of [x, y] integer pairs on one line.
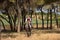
{"points": [[36, 35]]}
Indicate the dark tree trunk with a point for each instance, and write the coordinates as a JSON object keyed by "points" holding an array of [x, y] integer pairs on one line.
{"points": [[42, 19], [36, 21], [23, 18], [31, 18], [47, 18], [50, 18], [10, 21], [56, 18], [22, 21], [15, 18], [2, 24]]}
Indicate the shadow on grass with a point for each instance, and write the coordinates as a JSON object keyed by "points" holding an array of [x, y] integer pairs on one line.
{"points": [[8, 33], [45, 31]]}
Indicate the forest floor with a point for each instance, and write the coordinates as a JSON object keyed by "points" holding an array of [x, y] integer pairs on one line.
{"points": [[35, 35]]}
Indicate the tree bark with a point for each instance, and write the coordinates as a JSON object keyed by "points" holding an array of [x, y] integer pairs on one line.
{"points": [[42, 18], [36, 21], [50, 18], [19, 14], [56, 18], [47, 19], [2, 24]]}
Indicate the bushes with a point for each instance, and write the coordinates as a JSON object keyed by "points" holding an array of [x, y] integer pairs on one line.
{"points": [[50, 1]]}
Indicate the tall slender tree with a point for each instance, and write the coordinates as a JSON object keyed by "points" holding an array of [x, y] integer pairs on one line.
{"points": [[56, 17], [50, 18], [42, 16], [36, 21], [47, 18]]}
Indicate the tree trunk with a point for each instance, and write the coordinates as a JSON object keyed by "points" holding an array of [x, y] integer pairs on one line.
{"points": [[50, 18], [19, 14], [56, 18], [15, 18], [36, 21], [18, 24], [2, 24], [10, 19], [47, 19], [42, 18], [31, 18]]}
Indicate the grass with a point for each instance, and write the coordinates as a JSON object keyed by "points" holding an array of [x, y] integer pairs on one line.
{"points": [[36, 35]]}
